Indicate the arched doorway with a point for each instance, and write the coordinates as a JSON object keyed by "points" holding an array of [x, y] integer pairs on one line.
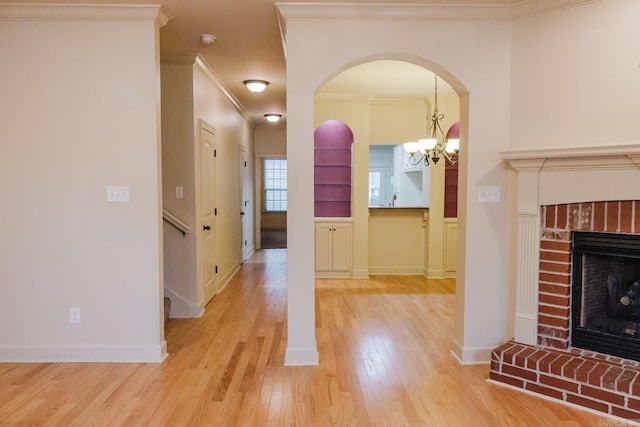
{"points": [[388, 102]]}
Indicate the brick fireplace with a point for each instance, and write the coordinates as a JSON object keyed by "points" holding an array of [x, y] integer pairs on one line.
{"points": [[561, 191], [551, 367]]}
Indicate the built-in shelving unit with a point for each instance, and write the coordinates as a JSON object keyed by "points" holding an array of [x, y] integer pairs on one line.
{"points": [[332, 170]]}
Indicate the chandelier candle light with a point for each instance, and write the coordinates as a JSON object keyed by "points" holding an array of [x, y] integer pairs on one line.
{"points": [[436, 143]]}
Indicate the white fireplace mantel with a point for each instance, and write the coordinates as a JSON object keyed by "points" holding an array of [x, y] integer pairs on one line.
{"points": [[549, 176]]}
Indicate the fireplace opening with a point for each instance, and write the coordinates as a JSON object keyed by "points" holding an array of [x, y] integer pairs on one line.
{"points": [[606, 293]]}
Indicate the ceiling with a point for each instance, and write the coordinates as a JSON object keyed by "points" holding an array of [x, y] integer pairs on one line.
{"points": [[249, 45]]}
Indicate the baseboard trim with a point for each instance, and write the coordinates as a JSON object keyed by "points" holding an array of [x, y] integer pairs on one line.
{"points": [[301, 357], [227, 277], [180, 307], [471, 355], [80, 353], [247, 252], [396, 271], [434, 274], [360, 274]]}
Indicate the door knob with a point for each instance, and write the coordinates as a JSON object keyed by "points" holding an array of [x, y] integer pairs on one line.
{"points": [[206, 227]]}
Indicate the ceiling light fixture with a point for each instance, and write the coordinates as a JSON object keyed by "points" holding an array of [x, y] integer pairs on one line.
{"points": [[272, 118], [436, 144], [256, 86], [207, 38]]}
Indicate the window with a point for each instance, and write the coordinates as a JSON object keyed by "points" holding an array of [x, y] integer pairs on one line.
{"points": [[275, 185]]}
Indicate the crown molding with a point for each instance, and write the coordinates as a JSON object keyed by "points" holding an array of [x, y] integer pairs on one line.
{"points": [[529, 8], [303, 11], [196, 60], [82, 12], [204, 66], [621, 156]]}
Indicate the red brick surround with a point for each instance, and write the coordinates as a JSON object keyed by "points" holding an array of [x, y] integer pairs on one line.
{"points": [[600, 382], [558, 222]]}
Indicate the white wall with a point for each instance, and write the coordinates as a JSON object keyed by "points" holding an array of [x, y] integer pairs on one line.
{"points": [[577, 77], [233, 130], [80, 111], [178, 169], [476, 62], [190, 94]]}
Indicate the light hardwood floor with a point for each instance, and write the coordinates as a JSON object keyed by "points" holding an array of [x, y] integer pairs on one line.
{"points": [[384, 361]]}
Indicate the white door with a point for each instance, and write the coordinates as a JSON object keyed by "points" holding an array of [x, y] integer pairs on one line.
{"points": [[245, 209], [208, 212]]}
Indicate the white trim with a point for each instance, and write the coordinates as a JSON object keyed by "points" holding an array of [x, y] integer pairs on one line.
{"points": [[83, 12], [204, 66], [84, 353], [392, 12], [471, 355], [180, 307], [397, 271], [198, 61], [530, 8], [600, 151], [303, 11], [526, 327], [434, 273], [301, 357], [360, 274], [623, 421], [224, 281]]}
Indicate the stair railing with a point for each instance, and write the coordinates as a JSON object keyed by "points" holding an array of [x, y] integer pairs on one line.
{"points": [[176, 222]]}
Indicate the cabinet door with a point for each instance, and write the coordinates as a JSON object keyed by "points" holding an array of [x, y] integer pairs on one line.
{"points": [[341, 245], [450, 246], [323, 246]]}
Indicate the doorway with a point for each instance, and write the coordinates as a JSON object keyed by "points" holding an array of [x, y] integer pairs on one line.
{"points": [[273, 217]]}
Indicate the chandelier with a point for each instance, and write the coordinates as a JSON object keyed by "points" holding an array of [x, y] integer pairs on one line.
{"points": [[436, 144]]}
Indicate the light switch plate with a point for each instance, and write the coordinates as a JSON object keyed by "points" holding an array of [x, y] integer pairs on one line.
{"points": [[117, 194], [179, 192], [489, 194]]}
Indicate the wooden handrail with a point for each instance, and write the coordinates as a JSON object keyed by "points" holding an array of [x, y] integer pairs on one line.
{"points": [[176, 222]]}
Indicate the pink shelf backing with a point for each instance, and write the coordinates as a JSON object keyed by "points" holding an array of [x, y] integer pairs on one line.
{"points": [[332, 157], [332, 192], [332, 209], [332, 174]]}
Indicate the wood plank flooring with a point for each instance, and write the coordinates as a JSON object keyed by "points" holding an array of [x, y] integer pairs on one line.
{"points": [[384, 361]]}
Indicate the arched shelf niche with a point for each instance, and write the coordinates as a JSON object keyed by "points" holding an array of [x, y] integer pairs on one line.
{"points": [[332, 142]]}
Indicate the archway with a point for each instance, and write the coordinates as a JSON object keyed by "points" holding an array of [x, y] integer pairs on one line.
{"points": [[387, 112]]}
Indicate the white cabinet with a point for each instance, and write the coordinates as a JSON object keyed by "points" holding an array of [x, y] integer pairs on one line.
{"points": [[333, 247]]}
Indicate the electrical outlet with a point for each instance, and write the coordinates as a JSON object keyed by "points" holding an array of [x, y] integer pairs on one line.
{"points": [[489, 194], [74, 315], [117, 194]]}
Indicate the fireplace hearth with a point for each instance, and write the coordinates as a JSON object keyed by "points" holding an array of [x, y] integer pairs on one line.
{"points": [[606, 294]]}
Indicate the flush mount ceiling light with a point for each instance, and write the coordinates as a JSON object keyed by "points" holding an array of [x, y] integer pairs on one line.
{"points": [[256, 86], [435, 144], [273, 118], [207, 38]]}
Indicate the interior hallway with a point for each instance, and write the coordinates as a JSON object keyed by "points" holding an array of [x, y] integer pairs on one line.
{"points": [[384, 360]]}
